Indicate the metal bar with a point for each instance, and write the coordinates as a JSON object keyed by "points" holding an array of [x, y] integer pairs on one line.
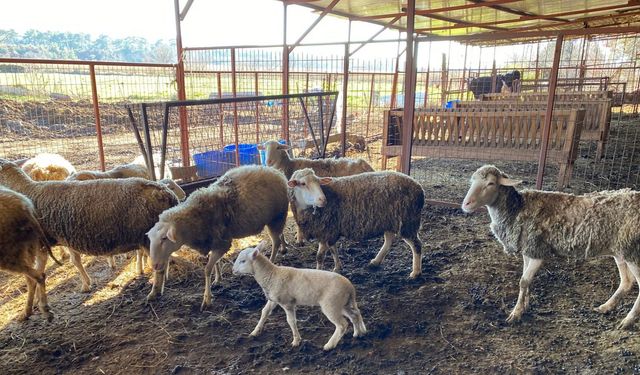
{"points": [[457, 21], [163, 149], [255, 77], [422, 12], [324, 138], [96, 115], [184, 12], [409, 91], [235, 106], [333, 113], [182, 93], [221, 110], [136, 134], [345, 94], [518, 12], [177, 103], [85, 62], [147, 138], [542, 161], [285, 79], [374, 35], [306, 115], [324, 12], [366, 133], [394, 82], [314, 44]]}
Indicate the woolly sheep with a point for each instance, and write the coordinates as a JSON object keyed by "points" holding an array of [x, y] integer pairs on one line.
{"points": [[95, 217], [277, 157], [238, 204], [543, 224], [156, 163], [290, 287], [46, 167], [21, 243], [358, 207]]}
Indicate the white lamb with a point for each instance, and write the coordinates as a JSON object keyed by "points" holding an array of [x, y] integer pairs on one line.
{"points": [[289, 287]]}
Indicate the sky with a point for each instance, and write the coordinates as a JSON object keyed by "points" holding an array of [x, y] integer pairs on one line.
{"points": [[208, 23]]}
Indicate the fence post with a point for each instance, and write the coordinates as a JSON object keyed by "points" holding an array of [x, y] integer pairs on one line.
{"points": [[373, 78], [96, 114], [409, 91], [553, 80], [257, 110], [345, 87], [285, 78], [182, 92], [235, 105]]}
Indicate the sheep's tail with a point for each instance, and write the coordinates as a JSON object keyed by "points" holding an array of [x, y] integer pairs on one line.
{"points": [[43, 238]]}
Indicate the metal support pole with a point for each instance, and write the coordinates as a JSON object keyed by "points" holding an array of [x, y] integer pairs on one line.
{"points": [[553, 81], [345, 88], [373, 78], [96, 115], [235, 105], [409, 91], [285, 78], [255, 77], [182, 93]]}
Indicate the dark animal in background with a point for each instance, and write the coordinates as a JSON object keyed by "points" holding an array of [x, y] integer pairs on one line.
{"points": [[482, 85]]}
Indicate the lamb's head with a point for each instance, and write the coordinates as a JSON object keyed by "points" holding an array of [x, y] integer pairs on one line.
{"points": [[275, 153], [164, 240], [485, 187], [306, 188], [244, 262], [10, 173]]}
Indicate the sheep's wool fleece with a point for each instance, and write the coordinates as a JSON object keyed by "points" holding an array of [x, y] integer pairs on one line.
{"points": [[95, 217], [364, 206], [549, 223], [18, 231], [238, 204]]}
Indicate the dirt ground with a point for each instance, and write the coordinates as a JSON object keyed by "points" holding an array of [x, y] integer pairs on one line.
{"points": [[450, 320]]}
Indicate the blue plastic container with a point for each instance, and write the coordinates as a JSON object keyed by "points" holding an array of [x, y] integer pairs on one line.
{"points": [[451, 103], [263, 153], [213, 163], [248, 153]]}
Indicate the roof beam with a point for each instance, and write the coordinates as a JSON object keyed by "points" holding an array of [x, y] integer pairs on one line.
{"points": [[375, 35], [510, 34], [585, 20], [461, 22], [184, 12], [518, 12], [324, 12], [423, 12]]}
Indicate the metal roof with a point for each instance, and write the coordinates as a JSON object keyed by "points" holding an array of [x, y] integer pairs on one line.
{"points": [[490, 21]]}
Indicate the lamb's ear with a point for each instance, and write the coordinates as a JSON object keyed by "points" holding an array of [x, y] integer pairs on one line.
{"points": [[292, 183], [254, 253], [283, 147], [506, 181], [171, 234], [326, 180]]}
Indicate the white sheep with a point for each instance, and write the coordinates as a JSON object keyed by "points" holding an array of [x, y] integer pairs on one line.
{"points": [[541, 225], [239, 204], [277, 157], [46, 167], [95, 217], [358, 207], [156, 164], [290, 287], [121, 171], [22, 241]]}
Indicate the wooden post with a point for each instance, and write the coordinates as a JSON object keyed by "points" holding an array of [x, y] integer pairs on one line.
{"points": [[409, 91]]}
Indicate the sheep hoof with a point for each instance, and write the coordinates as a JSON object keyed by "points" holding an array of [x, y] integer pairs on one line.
{"points": [[374, 264], [328, 347], [514, 317], [23, 317], [206, 302], [255, 333], [295, 343], [626, 323], [151, 297], [49, 316], [85, 289], [602, 309], [414, 275]]}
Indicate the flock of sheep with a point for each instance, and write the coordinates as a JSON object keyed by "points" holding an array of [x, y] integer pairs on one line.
{"points": [[47, 204]]}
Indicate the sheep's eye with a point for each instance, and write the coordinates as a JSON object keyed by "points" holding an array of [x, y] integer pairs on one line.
{"points": [[491, 183], [242, 261], [164, 238], [302, 184]]}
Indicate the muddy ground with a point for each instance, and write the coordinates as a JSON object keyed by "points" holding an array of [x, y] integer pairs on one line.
{"points": [[450, 320]]}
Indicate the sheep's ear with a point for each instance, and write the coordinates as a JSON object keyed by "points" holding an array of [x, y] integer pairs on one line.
{"points": [[326, 180], [505, 181], [254, 253], [283, 147], [292, 183], [171, 234]]}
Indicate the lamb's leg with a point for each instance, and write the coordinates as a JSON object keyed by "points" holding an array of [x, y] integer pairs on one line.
{"points": [[214, 256], [334, 314], [140, 261], [384, 250], [322, 251], [28, 309], [291, 319], [352, 312], [631, 317], [275, 232], [43, 304], [86, 281], [626, 283], [416, 249], [337, 265], [217, 275], [266, 311], [531, 267]]}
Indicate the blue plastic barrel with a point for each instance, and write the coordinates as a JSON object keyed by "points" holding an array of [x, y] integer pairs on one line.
{"points": [[248, 153], [213, 163]]}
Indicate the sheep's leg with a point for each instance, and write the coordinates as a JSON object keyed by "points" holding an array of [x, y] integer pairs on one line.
{"points": [[86, 281], [320, 255], [214, 256], [532, 266], [337, 265], [335, 316], [28, 309], [112, 262], [353, 313], [291, 319], [631, 317], [416, 249], [384, 250], [41, 289], [275, 233], [626, 283], [266, 311], [299, 237], [140, 261], [217, 275]]}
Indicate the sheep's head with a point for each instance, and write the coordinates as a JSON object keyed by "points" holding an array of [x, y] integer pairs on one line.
{"points": [[163, 241], [484, 189], [274, 152], [306, 188], [10, 173], [244, 262]]}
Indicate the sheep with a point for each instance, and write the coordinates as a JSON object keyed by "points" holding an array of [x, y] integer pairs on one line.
{"points": [[140, 160], [277, 157], [289, 287], [542, 224], [239, 204], [358, 207], [45, 167], [95, 217], [121, 171], [21, 243]]}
